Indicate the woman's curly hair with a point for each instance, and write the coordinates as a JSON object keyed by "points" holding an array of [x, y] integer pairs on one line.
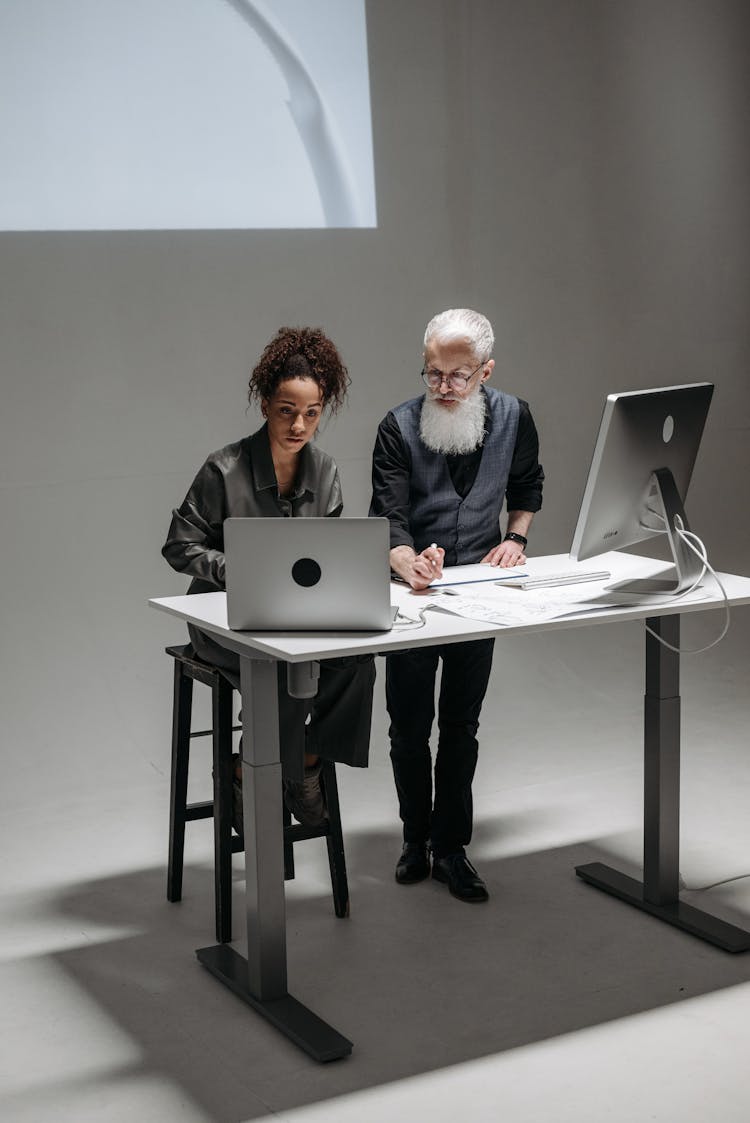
{"points": [[301, 353]]}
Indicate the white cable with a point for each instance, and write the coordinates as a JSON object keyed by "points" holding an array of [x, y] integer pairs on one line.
{"points": [[700, 552], [714, 884], [407, 623]]}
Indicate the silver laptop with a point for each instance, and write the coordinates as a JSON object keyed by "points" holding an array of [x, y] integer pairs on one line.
{"points": [[294, 575]]}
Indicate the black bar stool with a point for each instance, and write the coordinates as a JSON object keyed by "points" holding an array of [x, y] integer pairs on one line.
{"points": [[188, 668]]}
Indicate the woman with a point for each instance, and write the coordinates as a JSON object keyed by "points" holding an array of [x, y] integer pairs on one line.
{"points": [[278, 472]]}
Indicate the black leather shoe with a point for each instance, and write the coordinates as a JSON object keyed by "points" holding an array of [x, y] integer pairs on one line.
{"points": [[414, 863], [463, 881]]}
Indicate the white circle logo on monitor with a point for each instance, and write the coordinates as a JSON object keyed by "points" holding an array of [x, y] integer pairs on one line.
{"points": [[668, 430]]}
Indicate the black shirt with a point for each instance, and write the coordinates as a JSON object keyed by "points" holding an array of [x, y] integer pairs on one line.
{"points": [[391, 470]]}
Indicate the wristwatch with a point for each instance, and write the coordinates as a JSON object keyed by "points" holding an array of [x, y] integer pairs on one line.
{"points": [[513, 537]]}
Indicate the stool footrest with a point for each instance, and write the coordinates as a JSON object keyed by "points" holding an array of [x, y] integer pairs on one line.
{"points": [[298, 832], [195, 811], [210, 732], [295, 833]]}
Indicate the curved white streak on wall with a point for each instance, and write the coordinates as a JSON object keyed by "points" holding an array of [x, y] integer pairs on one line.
{"points": [[315, 124]]}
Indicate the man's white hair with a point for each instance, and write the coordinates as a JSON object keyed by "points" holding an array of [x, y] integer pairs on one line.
{"points": [[463, 323]]}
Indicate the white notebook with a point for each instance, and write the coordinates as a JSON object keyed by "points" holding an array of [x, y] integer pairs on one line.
{"points": [[469, 574]]}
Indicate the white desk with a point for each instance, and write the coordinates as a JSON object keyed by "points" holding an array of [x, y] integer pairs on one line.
{"points": [[261, 980]]}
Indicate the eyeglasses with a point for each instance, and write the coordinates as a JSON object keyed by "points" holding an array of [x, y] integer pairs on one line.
{"points": [[435, 378]]}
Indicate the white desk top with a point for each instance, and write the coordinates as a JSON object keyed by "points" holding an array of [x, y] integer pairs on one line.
{"points": [[208, 612]]}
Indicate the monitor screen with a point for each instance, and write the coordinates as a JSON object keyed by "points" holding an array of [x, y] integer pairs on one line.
{"points": [[641, 468]]}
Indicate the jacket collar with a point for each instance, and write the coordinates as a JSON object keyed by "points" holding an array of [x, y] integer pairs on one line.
{"points": [[263, 470]]}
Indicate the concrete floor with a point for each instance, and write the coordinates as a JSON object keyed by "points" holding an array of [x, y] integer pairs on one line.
{"points": [[550, 1003]]}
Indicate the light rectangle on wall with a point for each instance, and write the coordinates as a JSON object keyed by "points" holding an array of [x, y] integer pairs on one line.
{"points": [[184, 114]]}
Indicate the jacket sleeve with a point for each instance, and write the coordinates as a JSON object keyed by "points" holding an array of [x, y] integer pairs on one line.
{"points": [[195, 542], [524, 491], [391, 471]]}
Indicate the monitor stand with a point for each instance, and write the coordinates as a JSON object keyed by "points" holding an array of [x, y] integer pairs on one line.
{"points": [[688, 568]]}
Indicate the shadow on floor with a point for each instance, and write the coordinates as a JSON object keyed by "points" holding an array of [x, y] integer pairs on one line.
{"points": [[417, 980]]}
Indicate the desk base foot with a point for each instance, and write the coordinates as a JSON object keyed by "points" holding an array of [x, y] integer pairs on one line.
{"points": [[689, 919], [289, 1016]]}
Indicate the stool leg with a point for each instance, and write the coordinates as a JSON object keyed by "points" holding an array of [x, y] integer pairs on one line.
{"points": [[335, 840], [286, 818], [221, 697], [181, 716]]}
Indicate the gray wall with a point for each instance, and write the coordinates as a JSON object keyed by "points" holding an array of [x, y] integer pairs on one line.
{"points": [[577, 169]]}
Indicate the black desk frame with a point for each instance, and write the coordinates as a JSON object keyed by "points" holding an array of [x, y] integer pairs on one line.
{"points": [[659, 891], [261, 979]]}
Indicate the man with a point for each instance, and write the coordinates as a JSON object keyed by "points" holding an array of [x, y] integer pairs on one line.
{"points": [[443, 465]]}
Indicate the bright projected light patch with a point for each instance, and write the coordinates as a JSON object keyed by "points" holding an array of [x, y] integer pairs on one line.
{"points": [[184, 114]]}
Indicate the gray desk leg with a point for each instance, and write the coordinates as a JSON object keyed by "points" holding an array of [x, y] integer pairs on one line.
{"points": [[261, 979], [658, 893]]}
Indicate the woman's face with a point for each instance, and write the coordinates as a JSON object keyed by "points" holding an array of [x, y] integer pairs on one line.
{"points": [[293, 414]]}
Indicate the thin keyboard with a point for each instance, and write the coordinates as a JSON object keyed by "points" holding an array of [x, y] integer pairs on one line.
{"points": [[548, 580]]}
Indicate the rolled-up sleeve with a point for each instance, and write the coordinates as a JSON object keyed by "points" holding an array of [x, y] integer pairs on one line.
{"points": [[526, 476], [391, 469]]}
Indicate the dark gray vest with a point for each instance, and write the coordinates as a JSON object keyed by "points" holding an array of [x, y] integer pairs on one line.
{"points": [[467, 528]]}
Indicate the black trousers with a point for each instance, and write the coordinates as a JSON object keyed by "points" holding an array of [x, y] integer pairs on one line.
{"points": [[410, 696], [334, 724]]}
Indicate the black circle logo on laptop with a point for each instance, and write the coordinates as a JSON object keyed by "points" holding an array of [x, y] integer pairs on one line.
{"points": [[306, 572]]}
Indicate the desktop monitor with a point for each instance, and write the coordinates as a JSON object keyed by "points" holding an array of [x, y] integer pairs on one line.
{"points": [[639, 476]]}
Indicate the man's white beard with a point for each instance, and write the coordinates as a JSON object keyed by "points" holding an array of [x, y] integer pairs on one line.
{"points": [[458, 429]]}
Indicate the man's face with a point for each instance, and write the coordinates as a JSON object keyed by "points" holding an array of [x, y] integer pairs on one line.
{"points": [[454, 357]]}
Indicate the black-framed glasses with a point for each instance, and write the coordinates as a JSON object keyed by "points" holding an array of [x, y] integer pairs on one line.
{"points": [[435, 378]]}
